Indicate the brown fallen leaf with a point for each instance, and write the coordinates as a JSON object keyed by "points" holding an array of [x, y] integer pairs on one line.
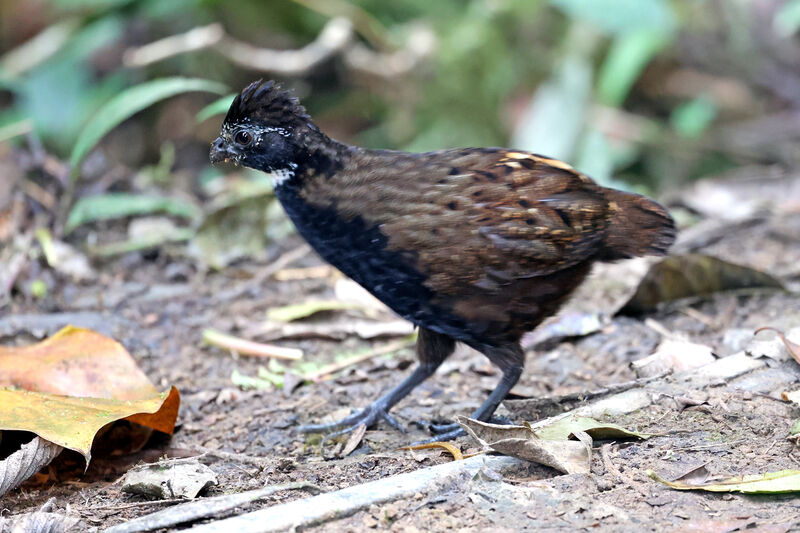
{"points": [[75, 362], [568, 456], [73, 422], [68, 387], [683, 276], [792, 347]]}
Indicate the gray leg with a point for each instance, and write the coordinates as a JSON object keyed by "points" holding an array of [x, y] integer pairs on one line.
{"points": [[510, 359], [432, 349]]}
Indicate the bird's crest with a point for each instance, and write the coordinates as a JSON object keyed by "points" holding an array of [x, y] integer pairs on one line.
{"points": [[266, 103]]}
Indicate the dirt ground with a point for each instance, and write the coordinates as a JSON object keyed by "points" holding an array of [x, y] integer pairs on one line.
{"points": [[158, 303]]}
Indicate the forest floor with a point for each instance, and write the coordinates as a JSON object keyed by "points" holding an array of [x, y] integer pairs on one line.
{"points": [[157, 304]]}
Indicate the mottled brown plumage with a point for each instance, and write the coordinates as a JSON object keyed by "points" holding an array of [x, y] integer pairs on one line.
{"points": [[476, 245]]}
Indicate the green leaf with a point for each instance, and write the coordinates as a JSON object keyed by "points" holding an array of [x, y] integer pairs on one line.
{"points": [[628, 56], [290, 313], [787, 18], [248, 382], [120, 205], [135, 245], [217, 107], [14, 129], [692, 118], [561, 101], [617, 16], [127, 104], [769, 483], [562, 429]]}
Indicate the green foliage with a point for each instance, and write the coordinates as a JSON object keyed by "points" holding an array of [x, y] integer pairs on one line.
{"points": [[130, 102], [532, 74], [620, 16], [217, 107], [627, 57], [692, 119], [119, 205]]}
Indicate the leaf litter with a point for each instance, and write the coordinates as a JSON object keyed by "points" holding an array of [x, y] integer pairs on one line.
{"points": [[69, 387]]}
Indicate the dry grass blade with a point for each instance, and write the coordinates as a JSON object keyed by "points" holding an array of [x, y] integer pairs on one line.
{"points": [[455, 452], [246, 347]]}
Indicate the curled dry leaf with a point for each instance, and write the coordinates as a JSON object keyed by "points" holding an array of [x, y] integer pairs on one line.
{"points": [[564, 428], [69, 386], [549, 445], [778, 482], [25, 462], [683, 276], [792, 347], [673, 355], [75, 362], [568, 456], [72, 422]]}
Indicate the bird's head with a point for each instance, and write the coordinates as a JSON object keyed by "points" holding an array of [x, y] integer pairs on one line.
{"points": [[266, 128]]}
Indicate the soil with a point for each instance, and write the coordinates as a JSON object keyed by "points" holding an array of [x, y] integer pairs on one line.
{"points": [[158, 303]]}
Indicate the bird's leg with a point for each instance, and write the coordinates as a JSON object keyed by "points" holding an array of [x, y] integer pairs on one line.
{"points": [[432, 349], [510, 359]]}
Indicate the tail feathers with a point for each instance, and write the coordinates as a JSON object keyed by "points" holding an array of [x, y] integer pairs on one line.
{"points": [[638, 226]]}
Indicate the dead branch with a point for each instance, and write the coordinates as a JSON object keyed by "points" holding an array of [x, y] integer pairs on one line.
{"points": [[336, 38]]}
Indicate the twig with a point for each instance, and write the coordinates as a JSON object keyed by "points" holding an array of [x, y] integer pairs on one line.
{"points": [[132, 505], [246, 347], [612, 469], [201, 508], [337, 37]]}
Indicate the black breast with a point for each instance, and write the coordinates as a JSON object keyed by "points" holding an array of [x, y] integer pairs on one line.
{"points": [[361, 253]]}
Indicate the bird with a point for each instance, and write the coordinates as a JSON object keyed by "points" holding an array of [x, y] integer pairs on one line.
{"points": [[472, 245]]}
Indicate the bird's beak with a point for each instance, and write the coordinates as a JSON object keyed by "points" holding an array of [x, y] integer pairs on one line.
{"points": [[219, 153]]}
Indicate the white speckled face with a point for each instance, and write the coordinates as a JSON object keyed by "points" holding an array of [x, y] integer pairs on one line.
{"points": [[269, 149]]}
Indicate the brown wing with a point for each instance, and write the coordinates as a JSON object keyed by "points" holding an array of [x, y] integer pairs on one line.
{"points": [[482, 217]]}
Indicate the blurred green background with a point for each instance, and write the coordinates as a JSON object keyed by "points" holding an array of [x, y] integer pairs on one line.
{"points": [[648, 94]]}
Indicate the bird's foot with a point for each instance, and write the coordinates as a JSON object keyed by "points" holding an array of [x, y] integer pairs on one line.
{"points": [[368, 416]]}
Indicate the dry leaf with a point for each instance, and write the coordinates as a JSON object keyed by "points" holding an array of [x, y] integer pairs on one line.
{"points": [[69, 386], [563, 428], [72, 422], [682, 276], [75, 362], [673, 355], [770, 483], [792, 347], [568, 456]]}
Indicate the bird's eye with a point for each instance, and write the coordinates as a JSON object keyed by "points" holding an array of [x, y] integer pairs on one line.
{"points": [[243, 137]]}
